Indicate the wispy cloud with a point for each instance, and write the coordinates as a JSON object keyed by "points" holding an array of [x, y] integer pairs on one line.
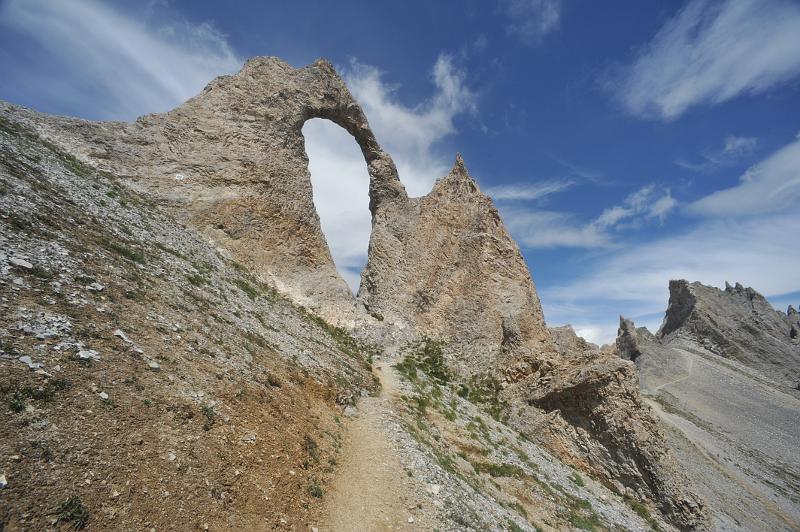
{"points": [[761, 252], [711, 52], [538, 228], [409, 134], [528, 191], [531, 20], [733, 149], [118, 65], [771, 185]]}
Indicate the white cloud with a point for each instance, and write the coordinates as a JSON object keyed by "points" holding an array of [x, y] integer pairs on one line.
{"points": [[733, 149], [711, 52], [535, 228], [409, 134], [341, 182], [736, 145], [126, 66], [531, 20], [528, 191], [542, 228], [772, 185], [759, 252]]}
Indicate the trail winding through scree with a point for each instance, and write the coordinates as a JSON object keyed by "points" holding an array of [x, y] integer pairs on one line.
{"points": [[371, 490], [679, 379]]}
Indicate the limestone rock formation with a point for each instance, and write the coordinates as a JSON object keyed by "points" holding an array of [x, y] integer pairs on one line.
{"points": [[446, 266], [736, 323], [231, 162], [569, 343]]}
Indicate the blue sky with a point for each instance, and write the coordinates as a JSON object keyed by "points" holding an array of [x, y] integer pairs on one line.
{"points": [[624, 145]]}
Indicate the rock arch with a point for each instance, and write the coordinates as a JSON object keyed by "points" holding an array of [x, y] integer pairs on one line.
{"points": [[246, 187]]}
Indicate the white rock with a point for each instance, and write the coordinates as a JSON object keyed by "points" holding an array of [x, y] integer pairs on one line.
{"points": [[120, 334], [171, 456], [153, 365], [30, 363], [96, 287], [410, 520], [88, 354], [351, 411], [16, 261], [179, 177], [103, 396], [434, 489], [3, 482]]}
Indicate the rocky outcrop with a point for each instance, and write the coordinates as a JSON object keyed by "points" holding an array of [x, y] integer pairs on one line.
{"points": [[231, 162], [736, 323], [588, 409], [717, 374], [630, 338], [446, 266], [569, 343]]}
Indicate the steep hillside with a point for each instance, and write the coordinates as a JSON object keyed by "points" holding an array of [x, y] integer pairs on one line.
{"points": [[732, 427]]}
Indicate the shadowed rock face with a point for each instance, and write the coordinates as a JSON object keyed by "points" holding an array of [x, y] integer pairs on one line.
{"points": [[231, 163], [736, 323]]}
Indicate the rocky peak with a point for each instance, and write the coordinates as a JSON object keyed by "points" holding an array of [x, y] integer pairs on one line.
{"points": [[458, 183], [630, 338], [737, 323]]}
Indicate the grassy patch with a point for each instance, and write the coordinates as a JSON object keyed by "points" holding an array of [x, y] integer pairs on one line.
{"points": [[499, 470], [73, 511], [124, 251], [578, 520], [426, 356], [246, 287], [576, 479], [485, 390]]}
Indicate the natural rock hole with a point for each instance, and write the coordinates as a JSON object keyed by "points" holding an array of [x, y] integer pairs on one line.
{"points": [[340, 183]]}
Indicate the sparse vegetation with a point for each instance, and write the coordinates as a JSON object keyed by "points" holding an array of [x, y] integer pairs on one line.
{"points": [[73, 511], [315, 490], [124, 251], [210, 415], [246, 287]]}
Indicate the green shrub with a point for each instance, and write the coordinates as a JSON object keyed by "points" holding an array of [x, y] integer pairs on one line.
{"points": [[73, 512]]}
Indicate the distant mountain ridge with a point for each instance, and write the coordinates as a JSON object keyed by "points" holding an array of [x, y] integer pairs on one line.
{"points": [[722, 373]]}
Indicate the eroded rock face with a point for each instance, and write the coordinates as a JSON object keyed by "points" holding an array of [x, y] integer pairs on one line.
{"points": [[569, 343], [719, 374], [446, 266], [232, 163], [630, 339], [736, 323], [590, 412]]}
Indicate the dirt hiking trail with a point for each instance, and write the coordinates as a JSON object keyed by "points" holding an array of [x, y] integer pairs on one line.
{"points": [[372, 490]]}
